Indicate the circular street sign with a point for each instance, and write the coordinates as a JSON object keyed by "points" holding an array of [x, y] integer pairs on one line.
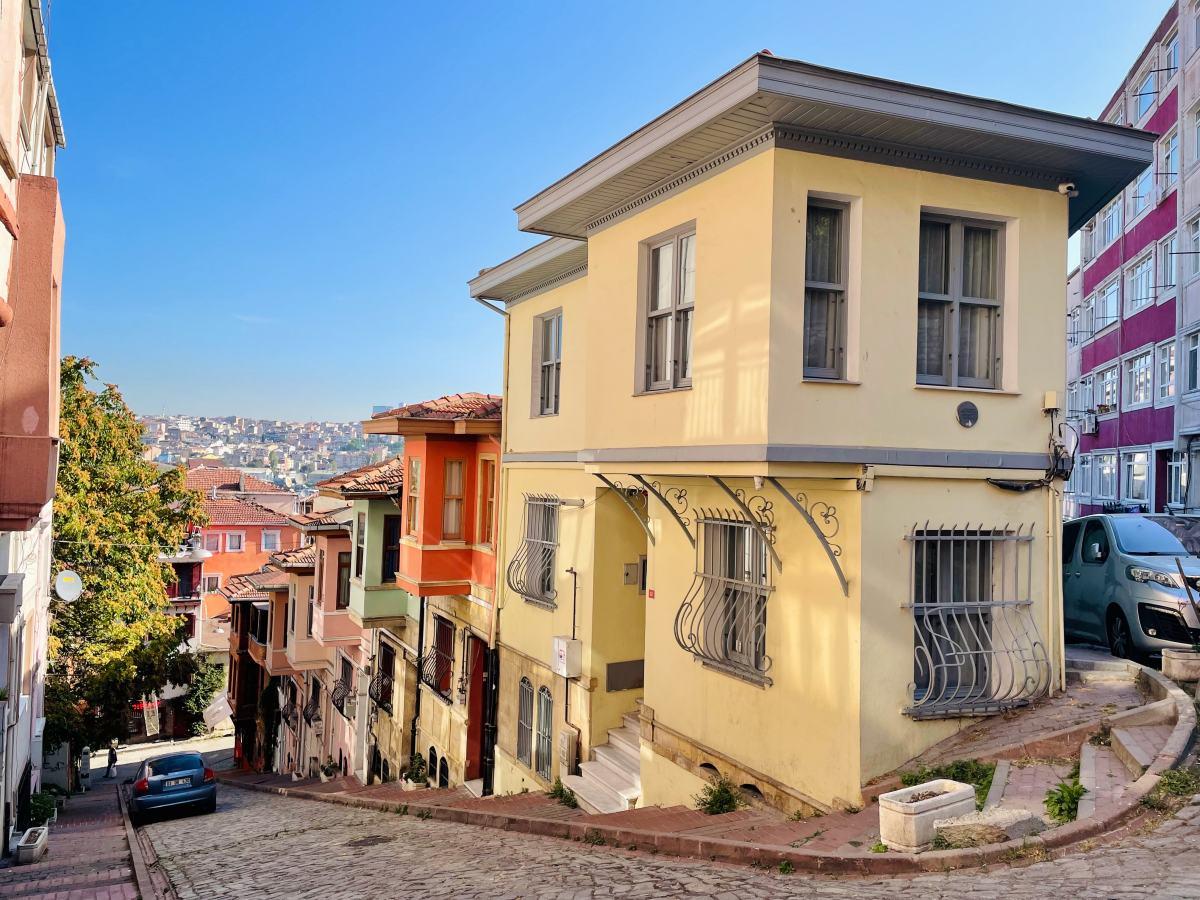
{"points": [[68, 585]]}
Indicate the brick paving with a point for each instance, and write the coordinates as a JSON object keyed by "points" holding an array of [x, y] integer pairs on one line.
{"points": [[1027, 785], [88, 856], [263, 845]]}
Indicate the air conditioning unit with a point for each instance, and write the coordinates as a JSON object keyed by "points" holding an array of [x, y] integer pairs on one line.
{"points": [[1090, 425], [568, 749]]}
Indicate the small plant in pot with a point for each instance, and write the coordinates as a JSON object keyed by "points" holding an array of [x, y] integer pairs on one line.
{"points": [[328, 769], [414, 776]]}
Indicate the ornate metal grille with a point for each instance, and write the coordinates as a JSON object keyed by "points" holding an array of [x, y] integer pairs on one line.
{"points": [[380, 690], [436, 667], [723, 619], [545, 721], [531, 571], [291, 714], [312, 711], [337, 696], [977, 650], [525, 721]]}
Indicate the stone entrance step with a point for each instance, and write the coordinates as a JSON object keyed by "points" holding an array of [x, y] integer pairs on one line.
{"points": [[1137, 745], [612, 780]]}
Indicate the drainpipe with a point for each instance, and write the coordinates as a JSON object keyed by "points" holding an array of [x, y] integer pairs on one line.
{"points": [[412, 738], [491, 672]]}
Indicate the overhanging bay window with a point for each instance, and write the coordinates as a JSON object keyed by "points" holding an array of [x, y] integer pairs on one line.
{"points": [[531, 571], [958, 306], [976, 647], [722, 621]]}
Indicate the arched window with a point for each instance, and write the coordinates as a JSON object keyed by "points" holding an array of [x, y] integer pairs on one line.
{"points": [[525, 721], [443, 773], [545, 721], [432, 771]]}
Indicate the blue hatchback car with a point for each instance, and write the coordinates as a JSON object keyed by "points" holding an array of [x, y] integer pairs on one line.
{"points": [[173, 781]]}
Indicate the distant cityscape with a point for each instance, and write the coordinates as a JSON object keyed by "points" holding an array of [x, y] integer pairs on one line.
{"points": [[291, 454]]}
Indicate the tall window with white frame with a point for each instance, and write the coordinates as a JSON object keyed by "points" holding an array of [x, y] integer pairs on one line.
{"points": [[1105, 466], [958, 302], [549, 369], [1168, 160], [670, 303], [825, 290], [1191, 250], [1166, 372], [1087, 319], [1167, 265], [1146, 94], [1141, 285], [1139, 380], [1083, 484], [1135, 469], [1177, 479], [1106, 394], [1143, 191], [1191, 362], [1110, 223], [1108, 308], [1170, 63]]}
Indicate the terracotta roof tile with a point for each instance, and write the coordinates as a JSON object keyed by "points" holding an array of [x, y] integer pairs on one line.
{"points": [[232, 511], [453, 406], [321, 521], [254, 585], [226, 478], [299, 558], [385, 477]]}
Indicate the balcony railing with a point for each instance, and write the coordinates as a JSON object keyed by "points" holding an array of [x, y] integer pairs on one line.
{"points": [[380, 690], [436, 668], [312, 711], [341, 690]]}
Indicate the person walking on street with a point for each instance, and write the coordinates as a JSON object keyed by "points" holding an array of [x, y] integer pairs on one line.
{"points": [[112, 760]]}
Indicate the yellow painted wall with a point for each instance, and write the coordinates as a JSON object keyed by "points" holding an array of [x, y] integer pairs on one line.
{"points": [[887, 408], [889, 512]]}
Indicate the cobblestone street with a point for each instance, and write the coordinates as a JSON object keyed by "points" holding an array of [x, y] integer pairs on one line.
{"points": [[296, 848]]}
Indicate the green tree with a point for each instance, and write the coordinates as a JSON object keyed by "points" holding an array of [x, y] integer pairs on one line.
{"points": [[205, 683], [114, 513]]}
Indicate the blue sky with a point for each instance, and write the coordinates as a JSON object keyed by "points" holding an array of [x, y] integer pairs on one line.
{"points": [[273, 207]]}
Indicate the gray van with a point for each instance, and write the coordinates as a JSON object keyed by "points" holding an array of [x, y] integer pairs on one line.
{"points": [[1121, 585]]}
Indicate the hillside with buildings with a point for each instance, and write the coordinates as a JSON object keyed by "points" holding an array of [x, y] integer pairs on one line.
{"points": [[292, 454]]}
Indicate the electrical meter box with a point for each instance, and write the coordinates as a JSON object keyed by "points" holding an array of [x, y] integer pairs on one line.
{"points": [[566, 658]]}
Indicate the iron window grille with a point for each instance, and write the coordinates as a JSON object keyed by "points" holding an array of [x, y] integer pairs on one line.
{"points": [[722, 621], [531, 571], [525, 721], [312, 710], [545, 712], [436, 668], [976, 648], [337, 696], [380, 691], [291, 714]]}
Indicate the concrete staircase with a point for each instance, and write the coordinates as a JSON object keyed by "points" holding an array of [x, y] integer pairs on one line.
{"points": [[612, 781]]}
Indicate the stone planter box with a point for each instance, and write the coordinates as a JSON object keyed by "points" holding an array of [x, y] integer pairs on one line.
{"points": [[1181, 665], [907, 825], [33, 845]]}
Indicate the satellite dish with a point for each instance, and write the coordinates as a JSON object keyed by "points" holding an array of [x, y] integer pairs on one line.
{"points": [[68, 586]]}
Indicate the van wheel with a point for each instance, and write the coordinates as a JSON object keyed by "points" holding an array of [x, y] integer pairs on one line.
{"points": [[1120, 641]]}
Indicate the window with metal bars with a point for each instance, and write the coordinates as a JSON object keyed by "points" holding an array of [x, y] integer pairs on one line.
{"points": [[531, 571], [723, 619], [545, 728], [525, 721], [977, 650]]}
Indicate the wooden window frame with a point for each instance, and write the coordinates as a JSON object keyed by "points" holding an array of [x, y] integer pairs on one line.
{"points": [[389, 560], [342, 595], [672, 313], [459, 498], [839, 288], [955, 300], [412, 508], [485, 517]]}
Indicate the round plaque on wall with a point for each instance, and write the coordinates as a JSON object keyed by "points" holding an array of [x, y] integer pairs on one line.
{"points": [[968, 414]]}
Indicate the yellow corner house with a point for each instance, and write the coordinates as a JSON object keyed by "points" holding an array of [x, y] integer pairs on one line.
{"points": [[782, 464]]}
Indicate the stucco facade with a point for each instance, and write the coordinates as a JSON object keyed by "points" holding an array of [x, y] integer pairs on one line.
{"points": [[745, 551]]}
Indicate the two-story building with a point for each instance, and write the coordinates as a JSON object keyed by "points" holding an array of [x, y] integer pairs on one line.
{"points": [[782, 462], [434, 546]]}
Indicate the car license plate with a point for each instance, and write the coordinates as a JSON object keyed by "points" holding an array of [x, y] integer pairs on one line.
{"points": [[176, 782]]}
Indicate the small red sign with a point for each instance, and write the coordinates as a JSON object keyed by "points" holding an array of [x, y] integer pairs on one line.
{"points": [[650, 593]]}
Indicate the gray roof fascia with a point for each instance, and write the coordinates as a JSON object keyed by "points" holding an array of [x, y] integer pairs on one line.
{"points": [[492, 284]]}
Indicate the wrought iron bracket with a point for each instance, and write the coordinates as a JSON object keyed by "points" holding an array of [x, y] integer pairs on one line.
{"points": [[754, 521], [642, 517], [816, 529], [652, 488]]}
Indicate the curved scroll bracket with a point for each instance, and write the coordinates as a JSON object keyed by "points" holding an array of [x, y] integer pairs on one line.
{"points": [[653, 488], [816, 529], [755, 523], [641, 516]]}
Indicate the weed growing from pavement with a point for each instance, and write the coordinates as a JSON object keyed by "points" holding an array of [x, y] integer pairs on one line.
{"points": [[719, 796], [786, 867], [1062, 800], [879, 847], [563, 795], [593, 837], [424, 814], [968, 771]]}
